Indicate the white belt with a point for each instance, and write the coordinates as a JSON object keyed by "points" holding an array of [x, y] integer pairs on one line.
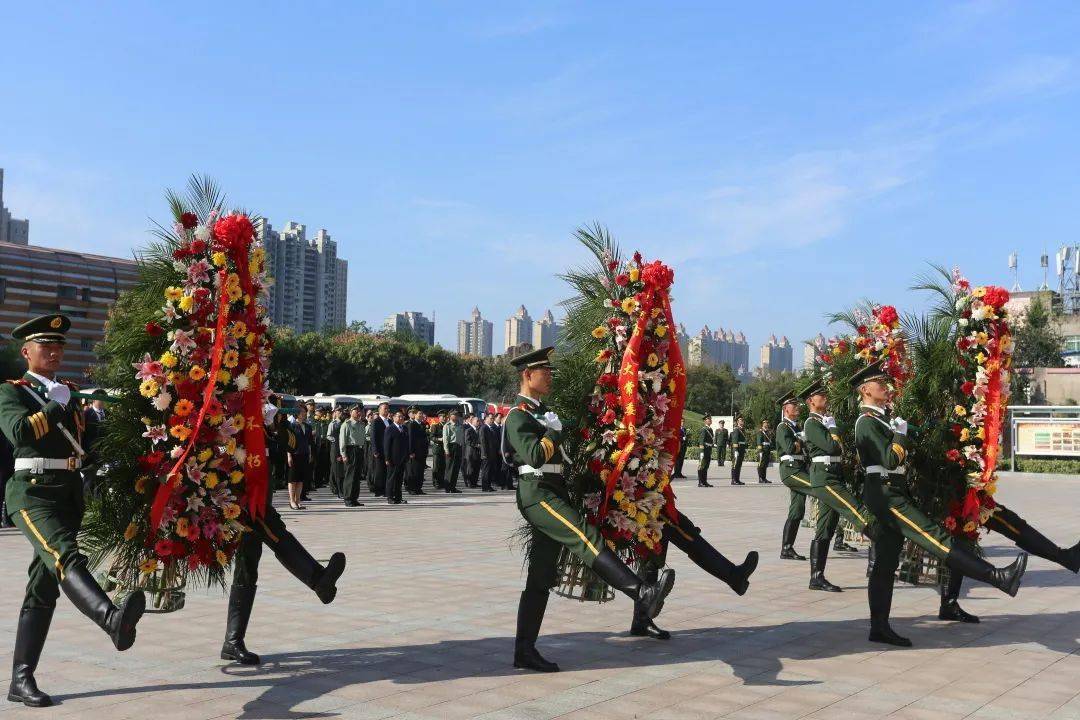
{"points": [[792, 458], [550, 468], [882, 470], [829, 459], [40, 465]]}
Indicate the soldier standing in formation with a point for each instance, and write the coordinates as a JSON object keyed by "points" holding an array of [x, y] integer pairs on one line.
{"points": [[738, 451], [765, 443], [352, 439], [720, 440], [706, 452], [45, 499], [270, 530], [533, 436], [793, 473], [882, 444], [684, 436]]}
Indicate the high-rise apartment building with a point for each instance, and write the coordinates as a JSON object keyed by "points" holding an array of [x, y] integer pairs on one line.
{"points": [[812, 350], [719, 347], [412, 322], [545, 331], [39, 281], [519, 329], [12, 230], [776, 355], [474, 335], [310, 282]]}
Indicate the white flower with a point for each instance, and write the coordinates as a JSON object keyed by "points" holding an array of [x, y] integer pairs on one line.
{"points": [[178, 266], [176, 452], [240, 456], [156, 434], [162, 401], [202, 233], [963, 322], [242, 381]]}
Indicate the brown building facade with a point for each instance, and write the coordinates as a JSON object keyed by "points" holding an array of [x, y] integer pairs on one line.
{"points": [[37, 281]]}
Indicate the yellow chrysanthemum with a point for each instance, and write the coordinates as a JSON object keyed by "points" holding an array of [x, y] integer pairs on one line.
{"points": [[205, 455], [130, 531], [600, 332], [196, 373], [979, 292], [148, 388], [219, 259], [223, 376], [230, 359], [250, 339], [174, 293], [211, 480], [230, 447], [965, 435], [960, 411], [634, 274], [981, 433], [238, 421], [653, 360], [168, 359], [970, 526], [661, 330], [186, 303], [236, 476], [629, 305], [232, 511], [618, 496], [148, 566], [234, 293]]}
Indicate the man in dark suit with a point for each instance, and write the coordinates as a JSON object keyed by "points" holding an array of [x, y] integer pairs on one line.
{"points": [[684, 436], [418, 442], [472, 451], [396, 454], [489, 454], [377, 481]]}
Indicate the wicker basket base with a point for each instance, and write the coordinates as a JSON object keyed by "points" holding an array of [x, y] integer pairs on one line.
{"points": [[918, 567], [578, 582]]}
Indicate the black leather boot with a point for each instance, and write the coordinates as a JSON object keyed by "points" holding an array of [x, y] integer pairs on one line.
{"points": [[879, 592], [819, 554], [950, 607], [5, 520], [642, 625], [297, 560], [117, 622], [840, 546], [530, 616], [240, 601], [712, 561], [1006, 579], [1034, 542], [615, 573], [29, 640], [787, 541]]}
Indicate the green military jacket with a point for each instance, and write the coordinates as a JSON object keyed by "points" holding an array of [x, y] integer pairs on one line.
{"points": [[789, 447], [738, 440], [529, 441], [34, 431], [823, 442], [435, 433], [720, 436], [765, 441], [707, 437], [881, 450]]}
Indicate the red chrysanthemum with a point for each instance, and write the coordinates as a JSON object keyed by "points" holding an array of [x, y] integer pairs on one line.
{"points": [[189, 220]]}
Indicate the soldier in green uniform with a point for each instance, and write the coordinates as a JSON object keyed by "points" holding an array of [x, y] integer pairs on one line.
{"points": [[738, 451], [793, 473], [765, 446], [438, 453], [720, 438], [706, 452], [270, 530], [882, 445], [532, 436], [45, 499]]}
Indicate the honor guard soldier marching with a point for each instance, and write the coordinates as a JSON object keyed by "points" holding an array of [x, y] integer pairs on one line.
{"points": [[793, 473], [533, 436], [706, 452], [45, 499], [882, 444]]}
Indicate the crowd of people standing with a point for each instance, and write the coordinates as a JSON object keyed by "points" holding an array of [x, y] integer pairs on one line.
{"points": [[387, 450]]}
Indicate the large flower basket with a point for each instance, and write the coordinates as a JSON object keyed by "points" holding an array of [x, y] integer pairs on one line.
{"points": [[578, 582], [918, 567]]}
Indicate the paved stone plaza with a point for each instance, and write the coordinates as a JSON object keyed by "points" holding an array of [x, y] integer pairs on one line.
{"points": [[423, 628]]}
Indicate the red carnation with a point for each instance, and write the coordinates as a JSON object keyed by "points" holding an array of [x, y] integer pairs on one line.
{"points": [[886, 315], [609, 379], [621, 279], [953, 455], [153, 329], [181, 253], [189, 220], [608, 418], [861, 330], [637, 257], [198, 247], [996, 297], [967, 388], [163, 548], [233, 231], [611, 400]]}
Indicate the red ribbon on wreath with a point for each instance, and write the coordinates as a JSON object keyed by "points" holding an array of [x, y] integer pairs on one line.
{"points": [[256, 470]]}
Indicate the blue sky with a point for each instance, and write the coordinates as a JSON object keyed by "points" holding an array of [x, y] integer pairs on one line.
{"points": [[786, 159]]}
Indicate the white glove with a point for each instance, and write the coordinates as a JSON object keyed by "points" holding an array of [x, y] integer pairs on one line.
{"points": [[59, 392], [829, 421], [552, 421], [899, 425]]}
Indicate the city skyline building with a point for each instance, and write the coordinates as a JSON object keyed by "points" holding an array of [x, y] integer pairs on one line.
{"points": [[41, 281], [12, 230], [711, 348], [475, 335], [811, 350], [410, 321], [309, 292], [777, 355], [518, 329], [545, 331]]}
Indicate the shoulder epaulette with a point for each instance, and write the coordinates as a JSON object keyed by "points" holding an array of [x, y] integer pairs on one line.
{"points": [[70, 384], [20, 381]]}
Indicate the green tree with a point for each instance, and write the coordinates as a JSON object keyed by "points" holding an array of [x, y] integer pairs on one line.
{"points": [[758, 400], [709, 389], [1038, 341]]}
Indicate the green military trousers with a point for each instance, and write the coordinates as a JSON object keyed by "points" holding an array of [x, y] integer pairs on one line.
{"points": [[555, 523], [894, 509], [48, 509], [797, 482], [269, 530]]}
